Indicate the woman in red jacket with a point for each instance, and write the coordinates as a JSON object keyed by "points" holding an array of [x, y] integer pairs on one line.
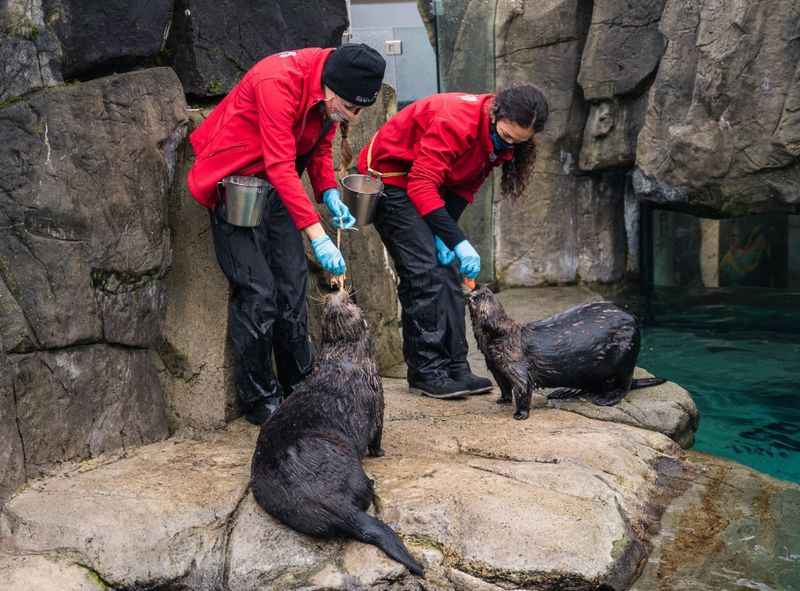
{"points": [[276, 122], [433, 156]]}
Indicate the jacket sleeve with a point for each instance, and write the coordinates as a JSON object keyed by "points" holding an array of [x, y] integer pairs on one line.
{"points": [[320, 167], [277, 111]]}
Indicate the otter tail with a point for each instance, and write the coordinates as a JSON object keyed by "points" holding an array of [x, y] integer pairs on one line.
{"points": [[373, 531], [646, 382]]}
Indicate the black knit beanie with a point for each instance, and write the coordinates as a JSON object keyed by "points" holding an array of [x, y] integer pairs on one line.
{"points": [[355, 72]]}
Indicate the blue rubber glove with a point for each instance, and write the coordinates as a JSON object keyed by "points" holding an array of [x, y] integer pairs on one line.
{"points": [[328, 255], [469, 258], [342, 218], [443, 254]]}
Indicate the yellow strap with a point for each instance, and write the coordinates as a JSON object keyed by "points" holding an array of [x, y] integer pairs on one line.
{"points": [[374, 172]]}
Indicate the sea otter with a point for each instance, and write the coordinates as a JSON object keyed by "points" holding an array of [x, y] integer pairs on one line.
{"points": [[588, 351], [306, 470]]}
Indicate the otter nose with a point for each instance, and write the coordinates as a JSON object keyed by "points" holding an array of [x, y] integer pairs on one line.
{"points": [[338, 298]]}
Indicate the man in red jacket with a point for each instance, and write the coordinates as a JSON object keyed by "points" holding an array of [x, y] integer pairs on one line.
{"points": [[276, 122], [433, 156]]}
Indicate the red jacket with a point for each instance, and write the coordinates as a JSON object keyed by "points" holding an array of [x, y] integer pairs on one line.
{"points": [[269, 118], [442, 142]]}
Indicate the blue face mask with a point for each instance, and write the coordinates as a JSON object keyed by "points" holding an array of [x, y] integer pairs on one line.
{"points": [[499, 143]]}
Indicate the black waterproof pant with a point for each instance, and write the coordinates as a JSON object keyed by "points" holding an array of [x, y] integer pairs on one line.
{"points": [[268, 273], [434, 332]]}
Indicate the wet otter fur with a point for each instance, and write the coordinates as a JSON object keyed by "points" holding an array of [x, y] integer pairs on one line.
{"points": [[587, 351], [306, 470]]}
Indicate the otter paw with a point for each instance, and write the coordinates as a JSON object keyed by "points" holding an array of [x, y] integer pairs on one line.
{"points": [[503, 401], [521, 415], [379, 453]]}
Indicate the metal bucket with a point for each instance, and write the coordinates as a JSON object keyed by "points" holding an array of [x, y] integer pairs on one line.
{"points": [[245, 198], [361, 192]]}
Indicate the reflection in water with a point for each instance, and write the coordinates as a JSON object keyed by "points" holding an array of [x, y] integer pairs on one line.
{"points": [[740, 361]]}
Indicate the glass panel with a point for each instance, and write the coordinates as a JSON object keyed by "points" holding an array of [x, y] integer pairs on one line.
{"points": [[415, 66], [750, 251], [412, 72]]}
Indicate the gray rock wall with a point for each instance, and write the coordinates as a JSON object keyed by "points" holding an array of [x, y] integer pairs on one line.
{"points": [[84, 247], [43, 42], [722, 130], [213, 42], [695, 102], [193, 356], [88, 334], [545, 238]]}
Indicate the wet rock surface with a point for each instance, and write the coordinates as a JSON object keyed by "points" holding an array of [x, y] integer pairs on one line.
{"points": [[733, 528]]}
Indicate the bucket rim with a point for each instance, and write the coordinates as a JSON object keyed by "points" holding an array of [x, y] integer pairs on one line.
{"points": [[350, 178], [251, 182]]}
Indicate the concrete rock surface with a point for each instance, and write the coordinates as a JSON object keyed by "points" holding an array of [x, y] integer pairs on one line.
{"points": [[558, 501]]}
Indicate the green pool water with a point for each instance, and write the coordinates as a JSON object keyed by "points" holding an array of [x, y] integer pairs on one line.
{"points": [[738, 354]]}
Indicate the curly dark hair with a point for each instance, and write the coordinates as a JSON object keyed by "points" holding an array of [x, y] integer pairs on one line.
{"points": [[525, 105]]}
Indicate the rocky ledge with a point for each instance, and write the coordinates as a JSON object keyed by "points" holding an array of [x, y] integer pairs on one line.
{"points": [[559, 501]]}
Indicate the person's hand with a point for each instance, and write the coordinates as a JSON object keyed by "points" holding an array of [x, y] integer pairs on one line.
{"points": [[328, 255], [444, 255], [469, 258], [342, 218]]}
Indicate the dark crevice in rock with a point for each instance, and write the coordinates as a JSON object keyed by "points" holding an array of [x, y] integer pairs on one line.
{"points": [[543, 45], [170, 148], [230, 523], [118, 65], [76, 346], [623, 25], [643, 85], [115, 282], [19, 428], [539, 580], [503, 457], [426, 416], [634, 550]]}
